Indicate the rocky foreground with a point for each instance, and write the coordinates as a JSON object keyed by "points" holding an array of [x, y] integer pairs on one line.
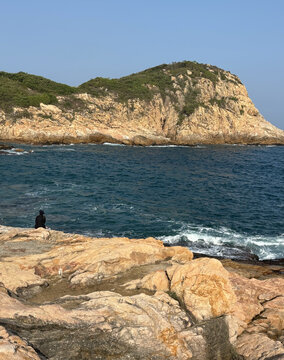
{"points": [[183, 103], [66, 296]]}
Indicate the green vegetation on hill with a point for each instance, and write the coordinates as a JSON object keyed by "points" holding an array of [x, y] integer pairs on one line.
{"points": [[145, 84], [26, 90]]}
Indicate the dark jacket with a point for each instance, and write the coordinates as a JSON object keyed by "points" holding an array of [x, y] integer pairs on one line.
{"points": [[40, 221]]}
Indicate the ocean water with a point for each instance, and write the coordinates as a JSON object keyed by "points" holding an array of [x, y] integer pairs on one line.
{"points": [[218, 200]]}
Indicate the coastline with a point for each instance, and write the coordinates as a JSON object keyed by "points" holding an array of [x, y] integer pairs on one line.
{"points": [[139, 297]]}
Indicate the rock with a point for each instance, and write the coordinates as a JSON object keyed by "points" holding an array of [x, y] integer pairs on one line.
{"points": [[5, 147], [252, 295], [86, 306], [251, 270], [181, 254], [260, 347], [82, 259], [204, 287], [104, 325], [13, 347], [154, 281], [19, 280]]}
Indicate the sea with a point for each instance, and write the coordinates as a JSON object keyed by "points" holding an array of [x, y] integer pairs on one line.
{"points": [[222, 200]]}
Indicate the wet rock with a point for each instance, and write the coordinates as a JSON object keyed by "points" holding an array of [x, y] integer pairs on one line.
{"points": [[5, 147]]}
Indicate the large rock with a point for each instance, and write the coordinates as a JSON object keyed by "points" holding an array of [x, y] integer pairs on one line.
{"points": [[106, 325], [204, 287], [259, 347], [84, 260], [255, 297]]}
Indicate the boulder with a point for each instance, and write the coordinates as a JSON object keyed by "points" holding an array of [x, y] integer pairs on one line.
{"points": [[259, 347], [204, 287]]}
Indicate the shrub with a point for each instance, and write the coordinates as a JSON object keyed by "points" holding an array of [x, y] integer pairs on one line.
{"points": [[26, 90], [220, 102]]}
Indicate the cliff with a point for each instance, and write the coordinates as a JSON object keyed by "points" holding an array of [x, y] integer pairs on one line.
{"points": [[181, 103], [66, 296]]}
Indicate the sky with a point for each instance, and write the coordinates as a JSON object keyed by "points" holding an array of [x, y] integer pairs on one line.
{"points": [[72, 41]]}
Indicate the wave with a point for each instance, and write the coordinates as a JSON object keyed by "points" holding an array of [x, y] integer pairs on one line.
{"points": [[66, 149], [225, 242], [15, 152], [177, 146], [113, 144]]}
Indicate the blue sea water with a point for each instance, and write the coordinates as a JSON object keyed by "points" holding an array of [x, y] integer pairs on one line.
{"points": [[217, 200]]}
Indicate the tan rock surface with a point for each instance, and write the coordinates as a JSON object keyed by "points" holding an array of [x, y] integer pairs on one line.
{"points": [[204, 287], [153, 281], [252, 295], [104, 119], [84, 260], [103, 324], [251, 270], [13, 347], [204, 299], [259, 347]]}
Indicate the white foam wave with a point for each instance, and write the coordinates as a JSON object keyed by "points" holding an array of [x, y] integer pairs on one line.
{"points": [[15, 152], [113, 144], [226, 242], [165, 146], [67, 149]]}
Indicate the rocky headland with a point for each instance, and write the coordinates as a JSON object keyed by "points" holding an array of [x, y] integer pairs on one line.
{"points": [[182, 103], [67, 296]]}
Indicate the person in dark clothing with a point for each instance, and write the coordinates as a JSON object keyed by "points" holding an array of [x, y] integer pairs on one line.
{"points": [[40, 220]]}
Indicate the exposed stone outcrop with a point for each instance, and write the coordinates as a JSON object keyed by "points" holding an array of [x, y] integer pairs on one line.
{"points": [[204, 287], [84, 260], [222, 113], [13, 347], [69, 296]]}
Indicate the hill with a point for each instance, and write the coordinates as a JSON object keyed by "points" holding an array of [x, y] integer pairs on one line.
{"points": [[179, 103]]}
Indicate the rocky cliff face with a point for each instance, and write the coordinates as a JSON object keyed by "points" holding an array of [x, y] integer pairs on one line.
{"points": [[188, 104], [66, 296]]}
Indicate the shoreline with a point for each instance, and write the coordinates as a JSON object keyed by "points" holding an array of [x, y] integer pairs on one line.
{"points": [[128, 144], [252, 261], [117, 296]]}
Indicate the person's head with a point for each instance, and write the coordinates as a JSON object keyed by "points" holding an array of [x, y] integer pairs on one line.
{"points": [[41, 212]]}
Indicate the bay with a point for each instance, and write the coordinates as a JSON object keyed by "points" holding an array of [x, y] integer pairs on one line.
{"points": [[218, 200]]}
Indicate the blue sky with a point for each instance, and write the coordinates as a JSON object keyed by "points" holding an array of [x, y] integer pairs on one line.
{"points": [[73, 41]]}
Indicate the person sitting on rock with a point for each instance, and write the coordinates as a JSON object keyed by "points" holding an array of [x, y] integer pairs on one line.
{"points": [[40, 220]]}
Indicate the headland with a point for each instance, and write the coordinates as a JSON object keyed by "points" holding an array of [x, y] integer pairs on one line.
{"points": [[183, 103]]}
